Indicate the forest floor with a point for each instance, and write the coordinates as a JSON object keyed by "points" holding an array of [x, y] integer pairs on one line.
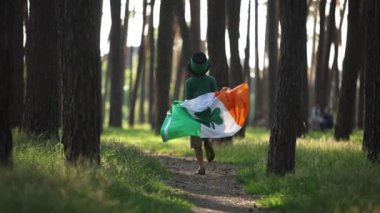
{"points": [[217, 191]]}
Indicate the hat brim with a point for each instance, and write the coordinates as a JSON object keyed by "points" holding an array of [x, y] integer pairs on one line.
{"points": [[197, 72]]}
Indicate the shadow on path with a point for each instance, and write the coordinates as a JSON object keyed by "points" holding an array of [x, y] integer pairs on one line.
{"points": [[217, 191]]}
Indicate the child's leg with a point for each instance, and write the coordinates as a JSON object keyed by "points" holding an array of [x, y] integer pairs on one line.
{"points": [[196, 144]]}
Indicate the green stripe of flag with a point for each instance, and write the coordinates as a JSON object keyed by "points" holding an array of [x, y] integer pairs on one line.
{"points": [[178, 123]]}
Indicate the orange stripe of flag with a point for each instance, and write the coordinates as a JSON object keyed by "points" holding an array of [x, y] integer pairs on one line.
{"points": [[236, 101]]}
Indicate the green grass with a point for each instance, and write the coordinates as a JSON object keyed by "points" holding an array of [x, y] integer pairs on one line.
{"points": [[126, 181], [330, 176]]}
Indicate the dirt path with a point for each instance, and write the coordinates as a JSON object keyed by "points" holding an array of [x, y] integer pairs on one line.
{"points": [[217, 191]]}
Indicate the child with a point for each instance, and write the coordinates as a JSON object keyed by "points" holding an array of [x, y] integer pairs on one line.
{"points": [[197, 85]]}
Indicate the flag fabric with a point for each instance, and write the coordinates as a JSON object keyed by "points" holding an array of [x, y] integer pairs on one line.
{"points": [[211, 115]]}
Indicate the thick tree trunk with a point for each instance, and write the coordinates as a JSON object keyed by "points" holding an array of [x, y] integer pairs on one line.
{"points": [[216, 30], [272, 27], [361, 99], [371, 140], [116, 63], [152, 55], [42, 101], [195, 26], [6, 54], [140, 68], [282, 143], [80, 21], [16, 105], [351, 66], [164, 60]]}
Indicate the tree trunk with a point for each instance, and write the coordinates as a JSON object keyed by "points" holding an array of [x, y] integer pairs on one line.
{"points": [[216, 27], [319, 66], [186, 49], [16, 105], [7, 9], [80, 21], [236, 76], [372, 82], [140, 68], [117, 70], [164, 60], [351, 66], [142, 94], [282, 143], [233, 23], [313, 53], [246, 69], [272, 27], [326, 88], [303, 115], [195, 26], [258, 81], [42, 99], [152, 55], [361, 98]]}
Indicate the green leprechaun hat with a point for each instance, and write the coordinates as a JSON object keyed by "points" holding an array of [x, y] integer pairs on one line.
{"points": [[199, 64]]}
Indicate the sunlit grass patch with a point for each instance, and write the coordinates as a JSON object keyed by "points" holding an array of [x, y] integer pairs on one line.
{"points": [[330, 176], [143, 137], [126, 181]]}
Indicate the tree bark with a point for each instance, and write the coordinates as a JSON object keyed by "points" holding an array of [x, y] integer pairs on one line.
{"points": [[117, 70], [164, 60], [42, 101], [361, 99], [6, 56], [195, 26], [371, 142], [304, 111], [319, 66], [16, 105], [140, 68], [246, 68], [216, 27], [272, 27], [152, 55], [282, 143], [351, 66], [326, 80], [80, 22], [236, 76], [142, 93], [186, 49], [258, 89], [233, 23]]}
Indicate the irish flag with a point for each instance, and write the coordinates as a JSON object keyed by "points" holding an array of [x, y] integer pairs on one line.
{"points": [[212, 115]]}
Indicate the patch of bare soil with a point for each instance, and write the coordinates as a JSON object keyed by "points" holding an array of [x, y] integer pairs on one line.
{"points": [[217, 191]]}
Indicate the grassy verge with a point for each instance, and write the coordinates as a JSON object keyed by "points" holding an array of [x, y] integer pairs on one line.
{"points": [[330, 176], [126, 181]]}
